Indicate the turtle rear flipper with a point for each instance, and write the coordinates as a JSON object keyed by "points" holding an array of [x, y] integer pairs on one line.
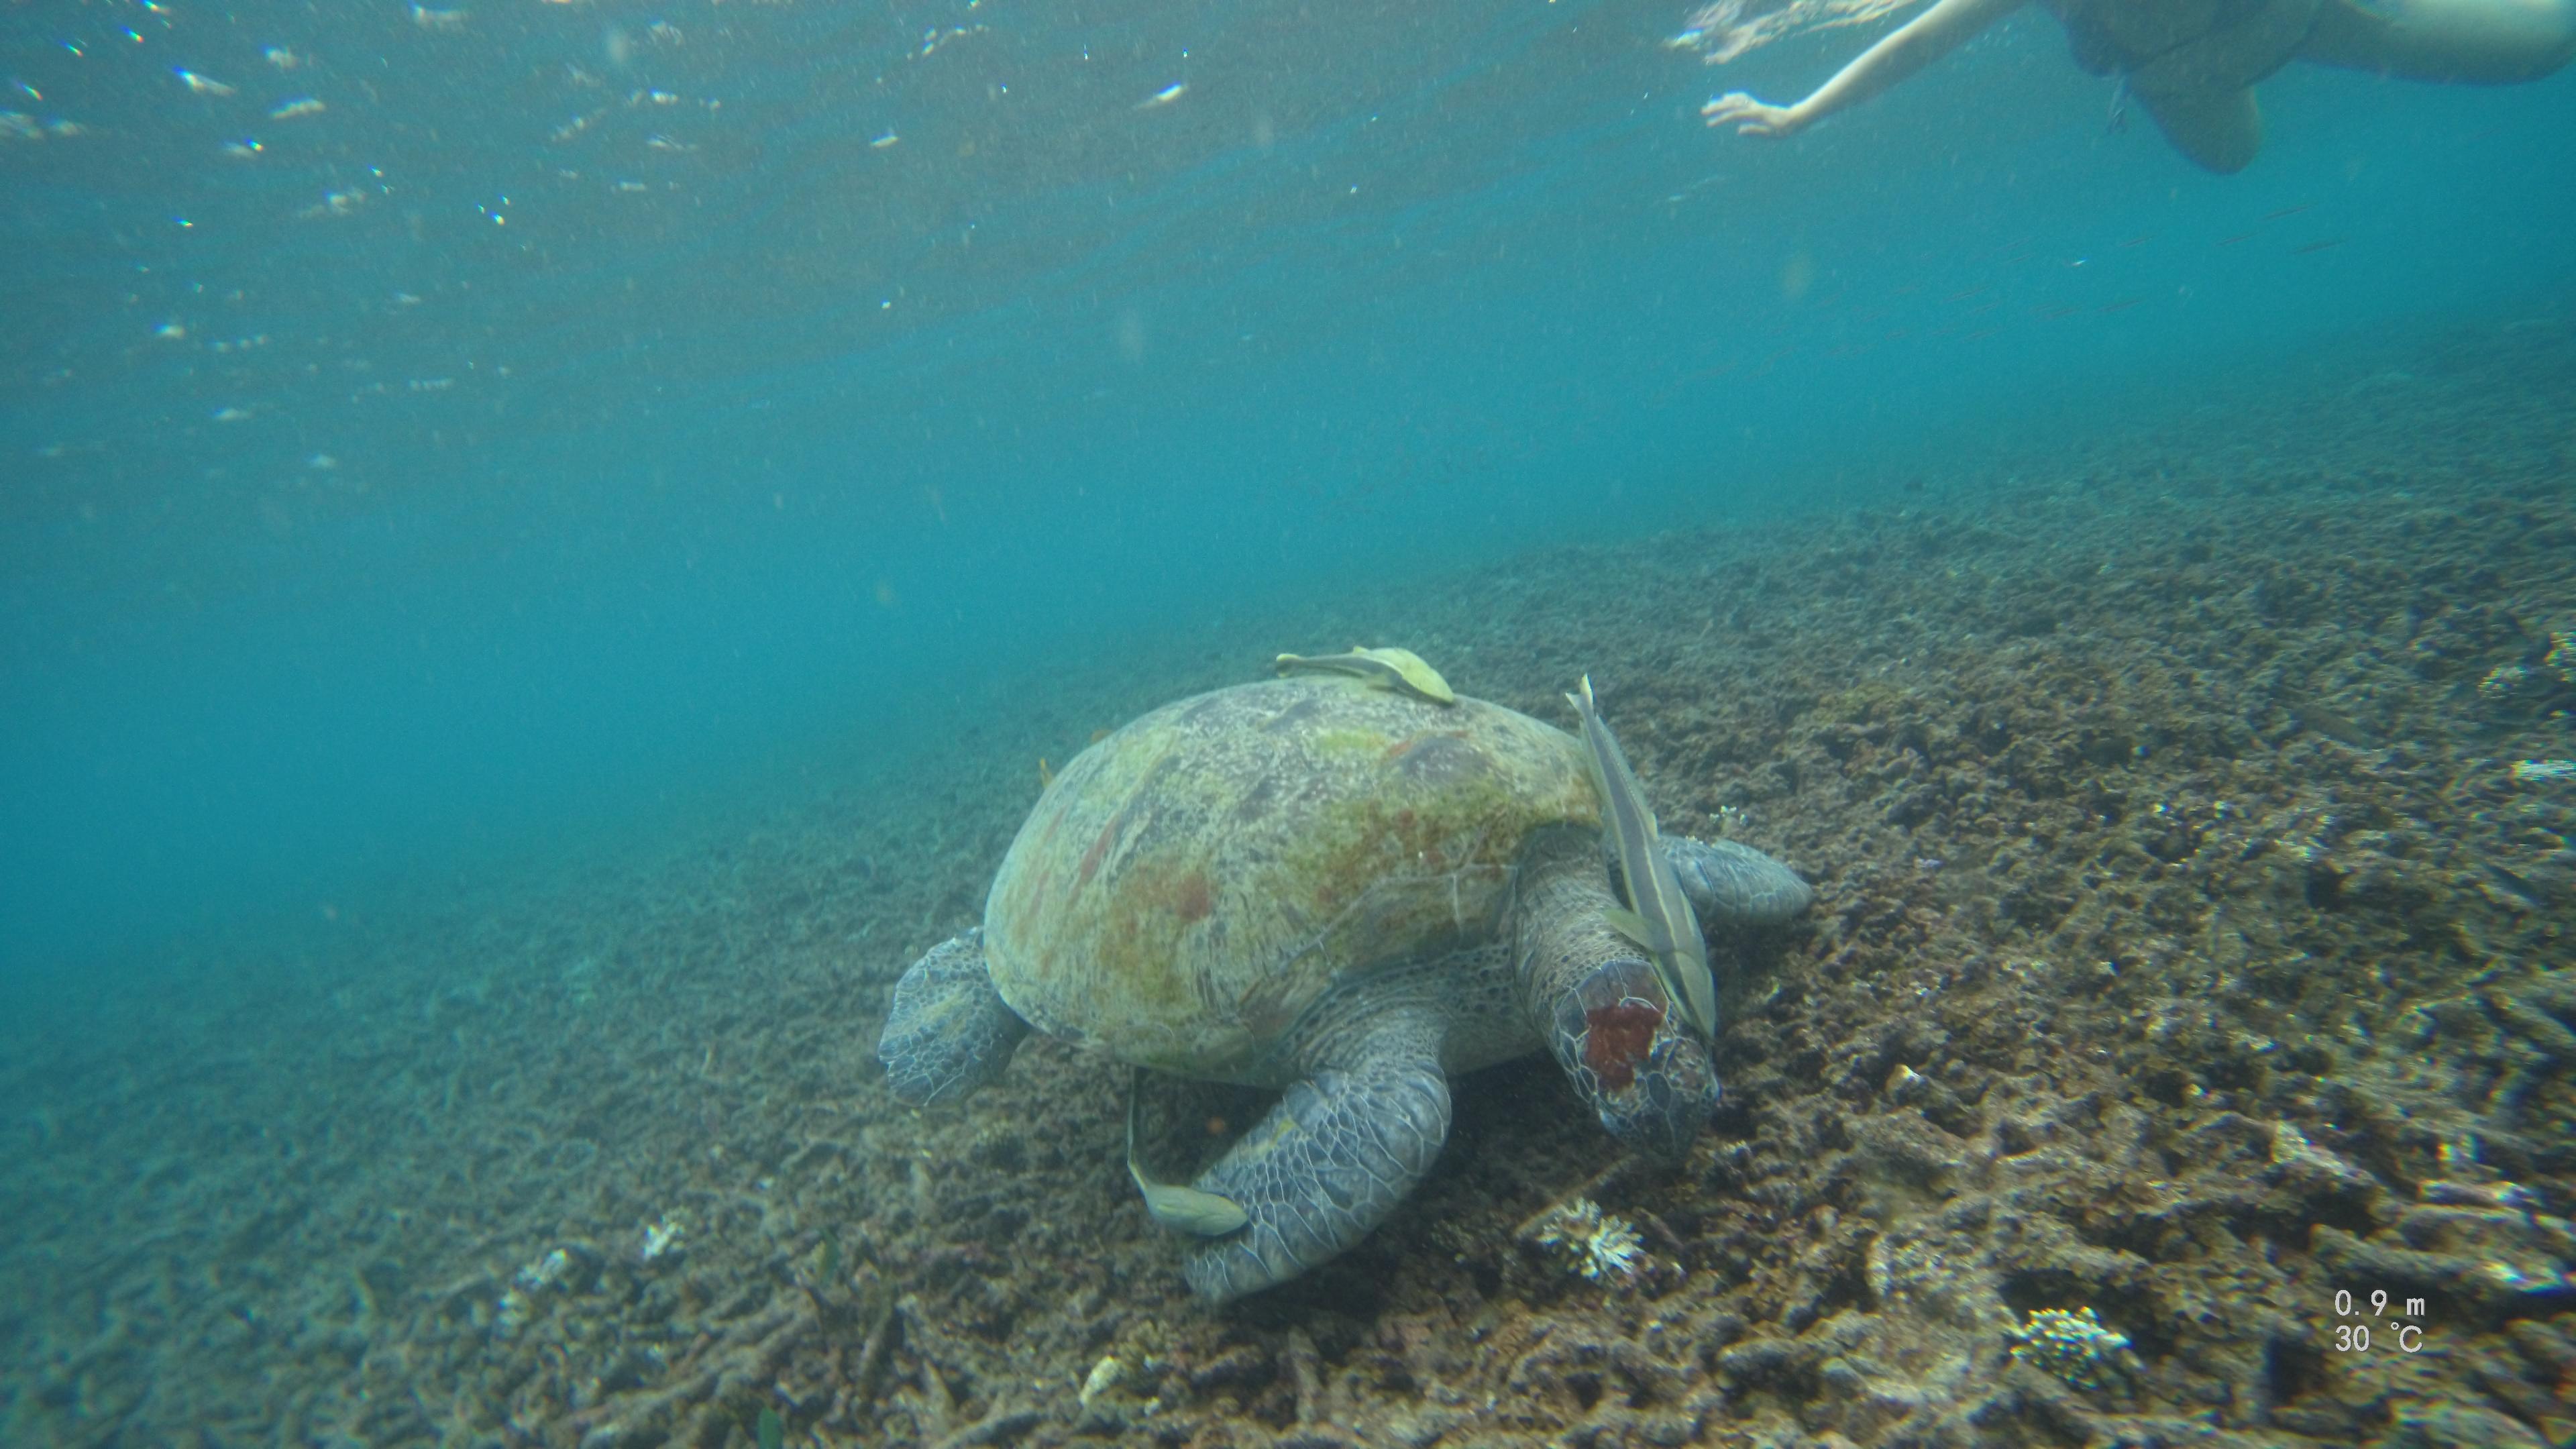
{"points": [[1327, 1165], [949, 1031]]}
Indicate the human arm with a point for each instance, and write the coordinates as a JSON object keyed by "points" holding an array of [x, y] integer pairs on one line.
{"points": [[1898, 54]]}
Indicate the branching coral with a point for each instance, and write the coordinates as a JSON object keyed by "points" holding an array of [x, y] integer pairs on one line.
{"points": [[1588, 1241]]}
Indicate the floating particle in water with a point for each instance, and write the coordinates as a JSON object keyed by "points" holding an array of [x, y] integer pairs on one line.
{"points": [[204, 85], [337, 203], [300, 106], [934, 37]]}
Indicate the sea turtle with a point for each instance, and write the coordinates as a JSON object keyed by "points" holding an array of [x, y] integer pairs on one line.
{"points": [[1346, 892]]}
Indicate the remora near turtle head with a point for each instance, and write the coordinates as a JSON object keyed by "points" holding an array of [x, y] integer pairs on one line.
{"points": [[1661, 920]]}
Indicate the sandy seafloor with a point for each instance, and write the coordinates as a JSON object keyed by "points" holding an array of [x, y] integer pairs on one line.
{"points": [[2187, 949]]}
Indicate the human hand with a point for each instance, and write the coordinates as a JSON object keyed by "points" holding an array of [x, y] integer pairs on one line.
{"points": [[1751, 117]]}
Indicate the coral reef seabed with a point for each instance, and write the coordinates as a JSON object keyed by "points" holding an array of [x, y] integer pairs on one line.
{"points": [[2182, 1049]]}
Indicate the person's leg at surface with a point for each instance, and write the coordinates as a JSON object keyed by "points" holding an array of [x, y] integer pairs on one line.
{"points": [[2467, 42]]}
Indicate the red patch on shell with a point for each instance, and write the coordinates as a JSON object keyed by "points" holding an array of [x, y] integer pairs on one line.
{"points": [[1099, 850], [1618, 1039]]}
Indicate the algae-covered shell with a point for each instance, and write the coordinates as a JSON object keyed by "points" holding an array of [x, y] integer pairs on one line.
{"points": [[1192, 882]]}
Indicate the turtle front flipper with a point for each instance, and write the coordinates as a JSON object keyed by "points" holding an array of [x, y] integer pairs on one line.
{"points": [[1731, 884], [949, 1031], [1342, 1148]]}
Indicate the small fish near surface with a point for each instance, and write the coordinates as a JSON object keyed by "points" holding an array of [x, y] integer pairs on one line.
{"points": [[1661, 921], [1400, 670]]}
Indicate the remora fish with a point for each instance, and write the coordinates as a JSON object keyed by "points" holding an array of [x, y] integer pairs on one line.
{"points": [[1663, 922], [1185, 1209], [1400, 670]]}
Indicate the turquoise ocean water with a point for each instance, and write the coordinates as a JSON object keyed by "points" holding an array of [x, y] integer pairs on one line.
{"points": [[434, 438]]}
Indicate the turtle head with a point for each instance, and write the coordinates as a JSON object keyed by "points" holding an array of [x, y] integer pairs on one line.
{"points": [[1630, 1054]]}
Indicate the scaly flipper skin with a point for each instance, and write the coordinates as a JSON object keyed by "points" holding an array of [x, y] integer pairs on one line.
{"points": [[1596, 1001], [1339, 1152], [948, 1032], [1731, 884]]}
